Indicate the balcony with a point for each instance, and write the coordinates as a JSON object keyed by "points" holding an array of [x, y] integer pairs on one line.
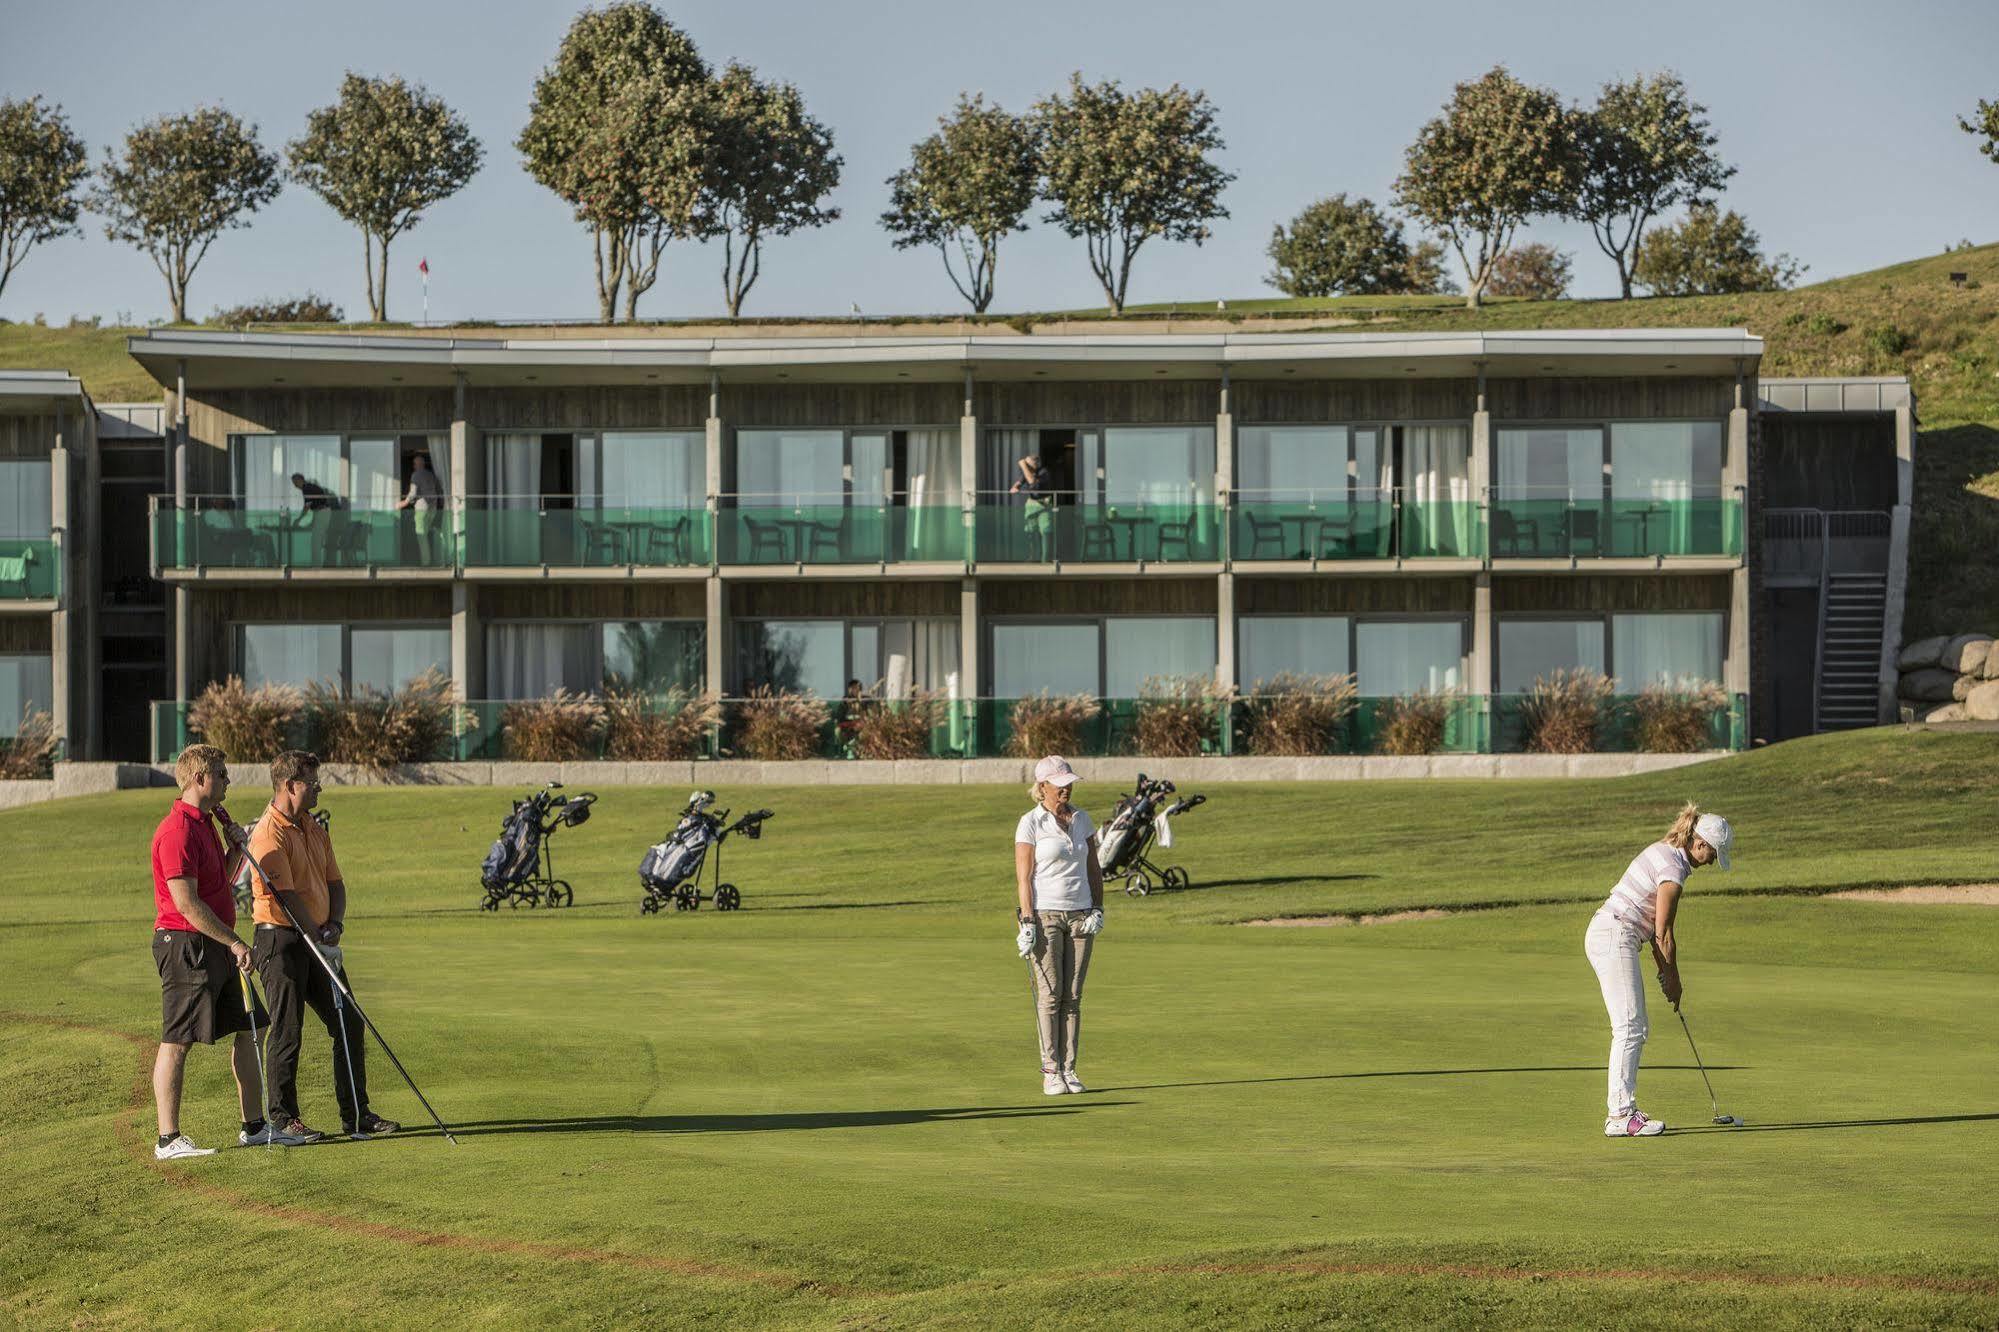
{"points": [[1056, 529], [1542, 526], [755, 531], [30, 569], [216, 532], [1379, 525], [577, 532]]}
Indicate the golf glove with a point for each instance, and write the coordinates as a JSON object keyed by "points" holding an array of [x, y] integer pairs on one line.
{"points": [[335, 956], [1093, 923], [1024, 940]]}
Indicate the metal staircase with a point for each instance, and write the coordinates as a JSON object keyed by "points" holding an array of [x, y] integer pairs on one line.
{"points": [[1851, 609]]}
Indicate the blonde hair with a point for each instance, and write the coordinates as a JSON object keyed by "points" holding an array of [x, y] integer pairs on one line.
{"points": [[1681, 834], [196, 760]]}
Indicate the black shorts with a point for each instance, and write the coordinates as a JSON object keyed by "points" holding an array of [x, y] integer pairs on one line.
{"points": [[201, 1001]]}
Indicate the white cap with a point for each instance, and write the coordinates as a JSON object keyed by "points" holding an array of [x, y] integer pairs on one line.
{"points": [[1055, 769], [1714, 830]]}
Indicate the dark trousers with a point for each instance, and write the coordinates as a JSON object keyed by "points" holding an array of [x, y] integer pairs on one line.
{"points": [[294, 981]]}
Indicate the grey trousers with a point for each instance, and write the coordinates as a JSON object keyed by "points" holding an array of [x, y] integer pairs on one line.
{"points": [[1060, 959]]}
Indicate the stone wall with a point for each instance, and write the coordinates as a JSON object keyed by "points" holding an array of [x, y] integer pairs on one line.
{"points": [[1949, 679]]}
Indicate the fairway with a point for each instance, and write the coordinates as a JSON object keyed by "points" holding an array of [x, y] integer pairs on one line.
{"points": [[825, 1110]]}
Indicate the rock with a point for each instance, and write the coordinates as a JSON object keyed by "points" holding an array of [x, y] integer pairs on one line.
{"points": [[1928, 686], [1923, 652], [1990, 671], [1961, 687], [1976, 646], [1949, 712], [1983, 702]]}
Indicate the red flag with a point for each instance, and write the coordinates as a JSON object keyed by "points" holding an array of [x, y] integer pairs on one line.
{"points": [[423, 267]]}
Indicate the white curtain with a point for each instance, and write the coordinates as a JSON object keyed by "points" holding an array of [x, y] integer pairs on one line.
{"points": [[1292, 464], [534, 660], [1136, 648], [1669, 649], [513, 471], [1440, 474], [789, 467], [374, 481], [641, 470], [999, 464], [1174, 466], [935, 485], [920, 654], [24, 500], [265, 464], [1272, 645], [294, 654]]}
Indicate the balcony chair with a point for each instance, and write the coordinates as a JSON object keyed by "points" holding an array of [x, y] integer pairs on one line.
{"points": [[1264, 532], [825, 540], [347, 547], [766, 540], [1336, 537], [666, 543], [1180, 534], [1099, 542], [1580, 525], [1509, 531]]}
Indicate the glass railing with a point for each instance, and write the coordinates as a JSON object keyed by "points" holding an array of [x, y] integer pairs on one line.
{"points": [[215, 532], [1042, 530], [1617, 726], [1527, 526], [580, 532], [755, 530], [853, 730], [1369, 526], [30, 569]]}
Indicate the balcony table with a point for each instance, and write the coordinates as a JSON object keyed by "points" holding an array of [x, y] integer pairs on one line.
{"points": [[1130, 523]]}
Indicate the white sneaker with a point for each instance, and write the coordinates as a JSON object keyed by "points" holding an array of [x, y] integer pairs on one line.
{"points": [[1053, 1084], [272, 1134], [1635, 1125], [179, 1147], [1074, 1083]]}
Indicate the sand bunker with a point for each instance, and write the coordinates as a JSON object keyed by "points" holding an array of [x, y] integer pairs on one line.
{"points": [[1385, 918], [1963, 894]]}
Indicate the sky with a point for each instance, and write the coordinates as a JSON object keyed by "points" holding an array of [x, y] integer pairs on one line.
{"points": [[1840, 116]]}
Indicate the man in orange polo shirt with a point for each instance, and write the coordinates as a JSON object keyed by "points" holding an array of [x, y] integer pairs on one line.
{"points": [[296, 854]]}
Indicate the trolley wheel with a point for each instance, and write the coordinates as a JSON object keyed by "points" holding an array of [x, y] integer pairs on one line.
{"points": [[688, 898], [560, 894], [522, 898], [1137, 885], [1175, 877], [726, 897], [490, 904], [648, 906]]}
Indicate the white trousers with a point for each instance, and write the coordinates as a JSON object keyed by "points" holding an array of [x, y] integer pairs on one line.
{"points": [[1612, 948]]}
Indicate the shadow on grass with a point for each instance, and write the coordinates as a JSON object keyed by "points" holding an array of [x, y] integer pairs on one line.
{"points": [[1404, 1073], [1802, 1125], [777, 1123], [1274, 881]]}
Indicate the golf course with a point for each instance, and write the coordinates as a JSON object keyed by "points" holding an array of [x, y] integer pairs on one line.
{"points": [[824, 1110]]}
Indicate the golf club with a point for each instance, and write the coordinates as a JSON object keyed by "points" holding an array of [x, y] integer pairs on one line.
{"points": [[263, 1095], [340, 990], [1733, 1121], [346, 1050]]}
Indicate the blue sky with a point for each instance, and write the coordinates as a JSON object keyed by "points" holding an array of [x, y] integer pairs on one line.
{"points": [[1838, 114]]}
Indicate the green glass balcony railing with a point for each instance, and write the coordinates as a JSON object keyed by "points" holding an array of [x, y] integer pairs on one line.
{"points": [[1367, 528], [1617, 727], [847, 731], [1042, 531], [1560, 528], [30, 569], [552, 531], [757, 533], [214, 533]]}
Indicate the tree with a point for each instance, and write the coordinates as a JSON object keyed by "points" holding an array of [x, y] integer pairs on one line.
{"points": [[1986, 126], [1123, 168], [965, 189], [769, 164], [42, 169], [1337, 247], [1537, 272], [1711, 254], [1501, 152], [618, 128], [1424, 275], [380, 156], [1645, 149], [182, 182]]}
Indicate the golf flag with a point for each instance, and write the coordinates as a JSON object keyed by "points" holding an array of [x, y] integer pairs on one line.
{"points": [[423, 267]]}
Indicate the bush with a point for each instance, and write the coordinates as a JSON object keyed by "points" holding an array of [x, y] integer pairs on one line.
{"points": [[1297, 716], [1179, 716], [1678, 718], [669, 727], [561, 728], [1562, 712], [310, 308], [1888, 340], [249, 725], [1538, 272], [780, 726], [900, 728], [378, 731], [1049, 724], [1710, 253], [30, 753], [1824, 325], [1414, 723]]}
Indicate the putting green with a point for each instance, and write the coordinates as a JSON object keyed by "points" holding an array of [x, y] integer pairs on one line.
{"points": [[825, 1110]]}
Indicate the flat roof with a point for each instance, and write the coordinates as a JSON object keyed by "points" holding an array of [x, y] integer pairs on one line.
{"points": [[218, 359], [38, 390]]}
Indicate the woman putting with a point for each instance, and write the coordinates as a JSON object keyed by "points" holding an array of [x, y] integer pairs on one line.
{"points": [[1061, 891], [1640, 909]]}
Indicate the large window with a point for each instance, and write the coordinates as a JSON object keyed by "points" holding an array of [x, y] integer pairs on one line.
{"points": [[532, 659], [368, 472], [1665, 460], [1408, 656], [890, 658], [1550, 463], [1137, 648], [293, 654], [1271, 645], [24, 499], [1635, 650], [1310, 464], [27, 685], [653, 656], [1055, 658], [798, 467], [1117, 465], [377, 657], [1111, 657], [386, 659], [1530, 650]]}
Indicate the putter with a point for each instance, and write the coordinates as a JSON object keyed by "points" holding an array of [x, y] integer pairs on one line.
{"points": [[340, 990], [1731, 1121], [263, 1095]]}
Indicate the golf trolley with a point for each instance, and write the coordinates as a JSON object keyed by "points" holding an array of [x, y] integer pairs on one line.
{"points": [[519, 868], [241, 887], [671, 871], [1140, 818]]}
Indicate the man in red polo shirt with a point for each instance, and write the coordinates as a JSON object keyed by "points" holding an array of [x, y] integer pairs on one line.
{"points": [[196, 951]]}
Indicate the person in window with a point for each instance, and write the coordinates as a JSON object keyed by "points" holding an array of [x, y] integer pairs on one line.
{"points": [[426, 496], [1037, 495], [319, 513], [1060, 889], [852, 705]]}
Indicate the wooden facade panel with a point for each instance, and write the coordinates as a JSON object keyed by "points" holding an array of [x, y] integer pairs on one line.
{"points": [[594, 601], [1353, 596], [216, 415], [1649, 592], [1634, 398], [805, 598], [1104, 596], [601, 407], [832, 406], [1118, 402], [25, 633], [31, 435], [1280, 402], [327, 605]]}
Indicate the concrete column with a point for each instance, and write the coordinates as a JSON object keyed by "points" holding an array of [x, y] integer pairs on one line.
{"points": [[1481, 665], [1735, 666], [1225, 653], [715, 636], [1739, 663], [968, 476], [183, 609], [1896, 602], [711, 470], [1481, 471], [468, 642], [467, 472], [971, 682], [60, 625]]}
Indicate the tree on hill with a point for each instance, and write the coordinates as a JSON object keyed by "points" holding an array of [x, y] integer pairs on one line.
{"points": [[380, 156], [1646, 149], [965, 189], [1501, 152], [768, 167], [1339, 247], [43, 166], [1711, 253], [1123, 168], [1538, 272], [181, 182], [1424, 274], [618, 128], [1986, 126]]}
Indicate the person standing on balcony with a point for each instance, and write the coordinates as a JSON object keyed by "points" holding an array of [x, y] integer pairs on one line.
{"points": [[1037, 495], [426, 496], [1060, 887], [1641, 910], [319, 510]]}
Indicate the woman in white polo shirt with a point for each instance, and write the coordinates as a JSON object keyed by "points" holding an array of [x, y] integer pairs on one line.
{"points": [[1061, 908], [1640, 910]]}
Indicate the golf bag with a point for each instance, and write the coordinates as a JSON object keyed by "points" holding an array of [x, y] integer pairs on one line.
{"points": [[671, 870], [239, 887], [1141, 821], [519, 868]]}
